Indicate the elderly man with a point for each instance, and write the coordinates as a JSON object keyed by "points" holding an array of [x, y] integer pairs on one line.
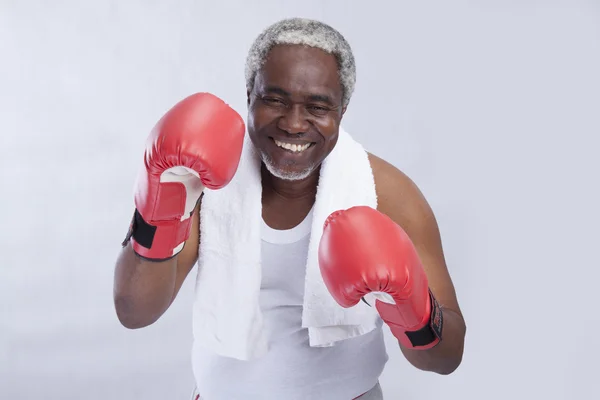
{"points": [[261, 330]]}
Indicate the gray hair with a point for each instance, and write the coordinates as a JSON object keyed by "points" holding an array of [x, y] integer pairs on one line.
{"points": [[305, 32]]}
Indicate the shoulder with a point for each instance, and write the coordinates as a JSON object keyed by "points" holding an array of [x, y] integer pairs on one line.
{"points": [[397, 194], [389, 180]]}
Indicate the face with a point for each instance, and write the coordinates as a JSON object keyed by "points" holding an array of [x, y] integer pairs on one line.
{"points": [[295, 109]]}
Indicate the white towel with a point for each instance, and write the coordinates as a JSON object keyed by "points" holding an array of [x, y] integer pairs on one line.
{"points": [[227, 315]]}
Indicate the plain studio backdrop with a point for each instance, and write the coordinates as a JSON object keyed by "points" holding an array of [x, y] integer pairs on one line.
{"points": [[492, 107]]}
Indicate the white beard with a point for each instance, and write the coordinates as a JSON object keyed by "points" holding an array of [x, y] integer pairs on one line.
{"points": [[285, 175]]}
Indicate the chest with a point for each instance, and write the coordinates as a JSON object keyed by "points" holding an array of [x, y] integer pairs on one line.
{"points": [[285, 214], [284, 271], [284, 254]]}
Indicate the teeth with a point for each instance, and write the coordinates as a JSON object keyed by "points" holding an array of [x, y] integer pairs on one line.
{"points": [[296, 148]]}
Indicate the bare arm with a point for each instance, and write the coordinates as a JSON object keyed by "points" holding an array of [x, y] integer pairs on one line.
{"points": [[403, 202], [144, 290]]}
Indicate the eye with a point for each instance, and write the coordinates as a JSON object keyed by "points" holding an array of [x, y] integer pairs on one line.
{"points": [[317, 110], [272, 101]]}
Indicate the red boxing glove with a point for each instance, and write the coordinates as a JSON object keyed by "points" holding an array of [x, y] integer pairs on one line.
{"points": [[364, 251], [196, 144]]}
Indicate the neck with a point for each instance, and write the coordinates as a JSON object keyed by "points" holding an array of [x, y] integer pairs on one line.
{"points": [[290, 190]]}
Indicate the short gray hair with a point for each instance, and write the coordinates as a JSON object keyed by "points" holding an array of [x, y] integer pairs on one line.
{"points": [[305, 32]]}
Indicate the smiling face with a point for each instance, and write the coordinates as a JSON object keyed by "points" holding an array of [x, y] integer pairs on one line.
{"points": [[295, 109]]}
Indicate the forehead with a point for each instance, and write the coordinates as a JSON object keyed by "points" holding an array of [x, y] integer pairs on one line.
{"points": [[300, 70]]}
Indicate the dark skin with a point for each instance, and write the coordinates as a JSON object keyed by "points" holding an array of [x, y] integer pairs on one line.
{"points": [[143, 290], [297, 97], [279, 105], [400, 199]]}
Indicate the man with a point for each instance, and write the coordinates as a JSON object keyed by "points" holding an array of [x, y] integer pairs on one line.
{"points": [[300, 76]]}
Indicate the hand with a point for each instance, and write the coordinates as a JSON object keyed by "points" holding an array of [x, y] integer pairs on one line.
{"points": [[363, 251], [196, 144]]}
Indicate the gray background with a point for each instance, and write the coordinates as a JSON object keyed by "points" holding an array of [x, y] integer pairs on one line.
{"points": [[492, 107]]}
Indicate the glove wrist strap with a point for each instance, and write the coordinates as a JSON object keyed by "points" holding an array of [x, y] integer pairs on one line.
{"points": [[431, 333], [156, 242]]}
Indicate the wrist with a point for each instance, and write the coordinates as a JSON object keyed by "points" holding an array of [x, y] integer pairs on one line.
{"points": [[430, 332], [426, 334], [159, 241]]}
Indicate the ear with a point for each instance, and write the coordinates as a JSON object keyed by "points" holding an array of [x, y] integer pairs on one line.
{"points": [[342, 113], [247, 97]]}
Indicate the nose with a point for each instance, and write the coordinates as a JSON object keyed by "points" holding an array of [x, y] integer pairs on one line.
{"points": [[294, 121]]}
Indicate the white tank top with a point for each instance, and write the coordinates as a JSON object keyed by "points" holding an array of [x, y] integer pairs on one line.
{"points": [[291, 369]]}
